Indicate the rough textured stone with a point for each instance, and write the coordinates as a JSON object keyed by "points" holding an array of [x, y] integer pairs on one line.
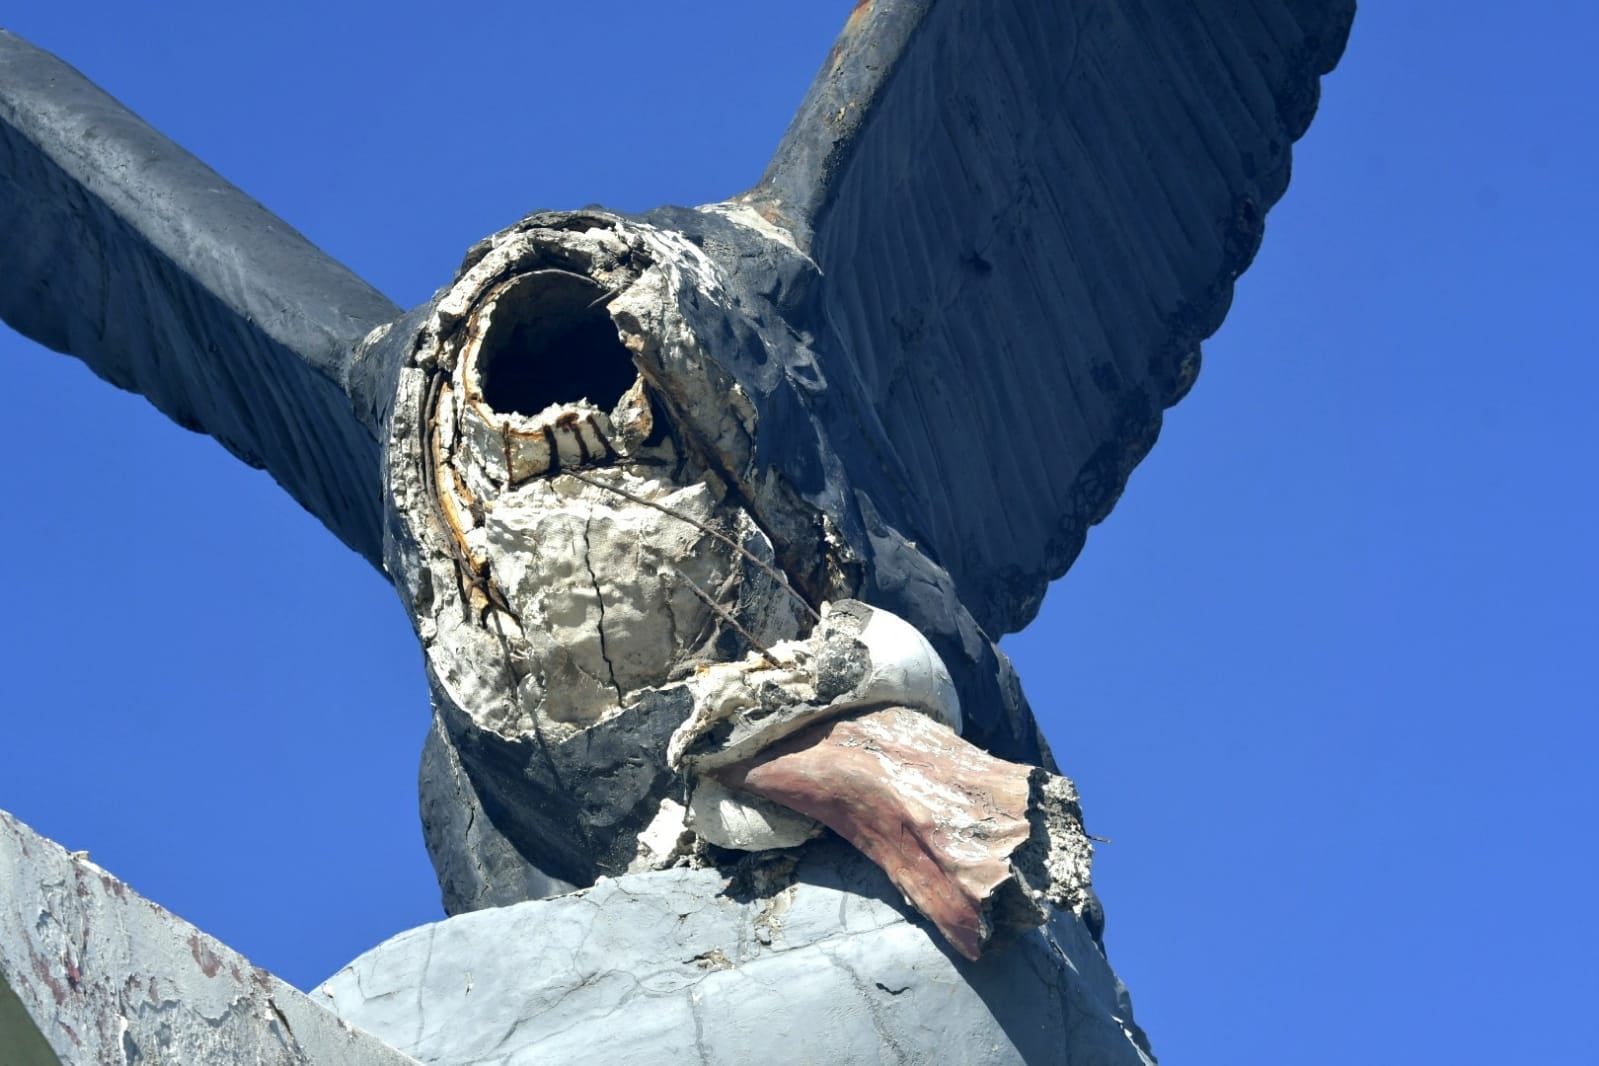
{"points": [[688, 966], [102, 976], [584, 576], [572, 559], [901, 303]]}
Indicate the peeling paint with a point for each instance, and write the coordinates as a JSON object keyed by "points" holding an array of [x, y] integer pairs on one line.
{"points": [[573, 562]]}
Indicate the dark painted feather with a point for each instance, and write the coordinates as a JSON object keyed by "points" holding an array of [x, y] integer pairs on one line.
{"points": [[120, 248], [1027, 215]]}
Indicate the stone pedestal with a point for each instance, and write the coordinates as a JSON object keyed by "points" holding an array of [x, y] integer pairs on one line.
{"points": [[93, 973], [820, 962]]}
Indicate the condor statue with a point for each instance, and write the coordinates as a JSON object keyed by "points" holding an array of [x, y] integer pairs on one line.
{"points": [[708, 519]]}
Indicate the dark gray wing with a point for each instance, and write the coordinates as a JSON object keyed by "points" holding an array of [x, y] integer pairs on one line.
{"points": [[120, 248], [1027, 214]]}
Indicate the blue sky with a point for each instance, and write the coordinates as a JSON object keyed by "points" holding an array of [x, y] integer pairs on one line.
{"points": [[1325, 677]]}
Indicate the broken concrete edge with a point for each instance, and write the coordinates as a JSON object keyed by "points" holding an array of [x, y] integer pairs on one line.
{"points": [[101, 974], [976, 844], [644, 568]]}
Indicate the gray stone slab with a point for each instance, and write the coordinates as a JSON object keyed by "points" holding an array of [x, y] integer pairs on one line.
{"points": [[91, 972], [681, 966]]}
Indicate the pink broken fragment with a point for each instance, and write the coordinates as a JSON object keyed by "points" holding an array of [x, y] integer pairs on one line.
{"points": [[974, 843]]}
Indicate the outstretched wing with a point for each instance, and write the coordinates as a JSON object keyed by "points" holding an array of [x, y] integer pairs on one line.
{"points": [[1027, 214], [120, 248]]}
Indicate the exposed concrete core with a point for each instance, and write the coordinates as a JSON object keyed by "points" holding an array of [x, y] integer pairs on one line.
{"points": [[612, 633], [597, 552]]}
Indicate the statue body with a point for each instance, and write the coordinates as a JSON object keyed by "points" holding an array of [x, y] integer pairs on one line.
{"points": [[707, 520]]}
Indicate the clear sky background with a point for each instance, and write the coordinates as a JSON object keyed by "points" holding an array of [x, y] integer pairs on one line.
{"points": [[1325, 677]]}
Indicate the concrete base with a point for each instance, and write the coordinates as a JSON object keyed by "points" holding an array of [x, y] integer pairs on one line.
{"points": [[92, 973], [819, 963]]}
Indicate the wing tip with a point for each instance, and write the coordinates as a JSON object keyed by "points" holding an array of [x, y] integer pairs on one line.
{"points": [[793, 191], [1015, 596]]}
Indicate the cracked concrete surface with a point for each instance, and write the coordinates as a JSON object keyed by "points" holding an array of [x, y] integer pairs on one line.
{"points": [[680, 966], [599, 599], [570, 556], [103, 976]]}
